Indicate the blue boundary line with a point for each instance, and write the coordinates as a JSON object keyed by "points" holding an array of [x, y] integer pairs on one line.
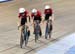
{"points": [[5, 1]]}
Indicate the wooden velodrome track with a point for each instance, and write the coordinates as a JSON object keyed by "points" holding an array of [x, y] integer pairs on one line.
{"points": [[64, 24]]}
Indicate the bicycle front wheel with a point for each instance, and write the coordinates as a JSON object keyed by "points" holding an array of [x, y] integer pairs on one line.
{"points": [[21, 41]]}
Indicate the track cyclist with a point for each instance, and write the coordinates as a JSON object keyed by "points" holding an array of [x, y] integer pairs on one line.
{"points": [[48, 15], [36, 15]]}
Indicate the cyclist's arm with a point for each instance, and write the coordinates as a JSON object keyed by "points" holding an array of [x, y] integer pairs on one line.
{"points": [[53, 17], [43, 18], [19, 19], [28, 18], [19, 23], [31, 20]]}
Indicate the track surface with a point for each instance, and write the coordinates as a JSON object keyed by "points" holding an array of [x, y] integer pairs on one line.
{"points": [[64, 24]]}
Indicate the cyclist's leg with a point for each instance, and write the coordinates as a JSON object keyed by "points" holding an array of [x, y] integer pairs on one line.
{"points": [[21, 38], [36, 30], [26, 40], [27, 36], [34, 26], [40, 30], [40, 33], [51, 28], [46, 31], [36, 37], [22, 29], [40, 27], [28, 32], [50, 34]]}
